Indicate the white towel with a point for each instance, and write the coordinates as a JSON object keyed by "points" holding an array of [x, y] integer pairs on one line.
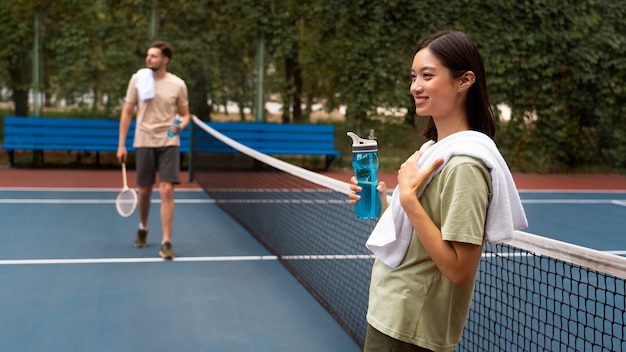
{"points": [[145, 84], [390, 238]]}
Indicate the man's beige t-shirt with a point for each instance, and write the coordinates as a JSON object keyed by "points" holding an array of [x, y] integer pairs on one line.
{"points": [[415, 302], [155, 116]]}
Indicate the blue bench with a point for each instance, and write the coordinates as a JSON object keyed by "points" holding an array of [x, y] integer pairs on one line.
{"points": [[101, 135], [270, 138], [66, 134]]}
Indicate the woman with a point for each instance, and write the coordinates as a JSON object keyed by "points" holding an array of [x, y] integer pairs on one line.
{"points": [[422, 303]]}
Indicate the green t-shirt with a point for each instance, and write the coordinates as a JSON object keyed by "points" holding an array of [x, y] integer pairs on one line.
{"points": [[415, 302]]}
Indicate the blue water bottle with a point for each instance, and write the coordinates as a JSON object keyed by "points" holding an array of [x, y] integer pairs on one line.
{"points": [[177, 121], [365, 164]]}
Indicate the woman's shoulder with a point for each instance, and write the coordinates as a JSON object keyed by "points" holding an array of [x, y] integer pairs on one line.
{"points": [[466, 169], [464, 164], [457, 160]]}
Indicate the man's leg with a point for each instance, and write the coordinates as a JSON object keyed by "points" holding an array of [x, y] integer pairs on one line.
{"points": [[146, 171], [143, 202], [144, 211], [167, 210], [169, 174]]}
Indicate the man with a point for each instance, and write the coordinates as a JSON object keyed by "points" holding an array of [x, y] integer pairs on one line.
{"points": [[158, 97]]}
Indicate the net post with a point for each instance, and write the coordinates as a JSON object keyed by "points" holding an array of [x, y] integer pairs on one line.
{"points": [[191, 148]]}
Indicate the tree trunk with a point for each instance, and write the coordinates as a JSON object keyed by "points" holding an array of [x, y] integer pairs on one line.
{"points": [[293, 77], [198, 98], [20, 90], [297, 93], [288, 86]]}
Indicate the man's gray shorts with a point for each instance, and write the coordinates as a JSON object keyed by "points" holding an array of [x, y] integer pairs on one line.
{"points": [[165, 160]]}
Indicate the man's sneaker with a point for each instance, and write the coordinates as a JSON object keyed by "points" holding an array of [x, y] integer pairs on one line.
{"points": [[166, 251], [140, 240]]}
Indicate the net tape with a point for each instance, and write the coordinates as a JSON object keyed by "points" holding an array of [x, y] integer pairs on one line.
{"points": [[532, 294]]}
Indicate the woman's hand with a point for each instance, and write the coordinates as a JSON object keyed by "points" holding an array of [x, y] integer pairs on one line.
{"points": [[354, 187], [411, 178], [354, 197], [382, 193]]}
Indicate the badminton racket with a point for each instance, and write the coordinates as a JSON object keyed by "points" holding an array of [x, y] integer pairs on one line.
{"points": [[126, 201]]}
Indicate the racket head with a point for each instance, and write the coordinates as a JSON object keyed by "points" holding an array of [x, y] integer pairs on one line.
{"points": [[126, 202]]}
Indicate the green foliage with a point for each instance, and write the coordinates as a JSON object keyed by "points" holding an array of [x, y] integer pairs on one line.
{"points": [[396, 142], [561, 61], [559, 65]]}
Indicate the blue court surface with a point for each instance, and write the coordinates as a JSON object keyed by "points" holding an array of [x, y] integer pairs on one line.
{"points": [[590, 219], [72, 280]]}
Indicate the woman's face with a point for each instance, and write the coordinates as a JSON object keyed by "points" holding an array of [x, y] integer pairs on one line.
{"points": [[434, 90]]}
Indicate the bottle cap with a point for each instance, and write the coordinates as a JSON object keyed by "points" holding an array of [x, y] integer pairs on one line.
{"points": [[363, 145]]}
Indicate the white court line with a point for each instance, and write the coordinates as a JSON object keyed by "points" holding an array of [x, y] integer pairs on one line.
{"points": [[273, 201], [66, 189], [229, 258], [93, 201], [505, 255], [530, 254], [177, 201], [327, 256], [616, 252], [181, 259], [572, 191], [199, 189], [571, 201], [133, 260]]}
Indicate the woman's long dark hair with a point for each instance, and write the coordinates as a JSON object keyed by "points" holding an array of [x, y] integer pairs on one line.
{"points": [[459, 54]]}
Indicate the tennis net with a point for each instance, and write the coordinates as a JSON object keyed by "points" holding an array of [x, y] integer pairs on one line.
{"points": [[532, 294]]}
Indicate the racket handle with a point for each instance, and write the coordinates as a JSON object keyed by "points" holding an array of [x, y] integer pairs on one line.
{"points": [[124, 175]]}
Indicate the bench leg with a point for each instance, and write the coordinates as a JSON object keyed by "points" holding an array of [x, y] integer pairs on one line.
{"points": [[37, 158], [11, 158], [329, 160]]}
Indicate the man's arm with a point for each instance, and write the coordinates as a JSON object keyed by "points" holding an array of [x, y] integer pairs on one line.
{"points": [[127, 115], [183, 110]]}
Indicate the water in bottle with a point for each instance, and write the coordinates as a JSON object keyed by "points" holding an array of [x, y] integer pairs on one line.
{"points": [[177, 121], [365, 164]]}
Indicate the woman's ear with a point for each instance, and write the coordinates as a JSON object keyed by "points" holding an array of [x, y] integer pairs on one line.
{"points": [[466, 81]]}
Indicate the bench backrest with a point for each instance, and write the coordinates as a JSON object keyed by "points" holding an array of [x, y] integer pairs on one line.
{"points": [[270, 138], [52, 133]]}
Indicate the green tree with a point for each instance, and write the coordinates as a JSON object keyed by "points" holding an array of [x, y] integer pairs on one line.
{"points": [[559, 65], [16, 45]]}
